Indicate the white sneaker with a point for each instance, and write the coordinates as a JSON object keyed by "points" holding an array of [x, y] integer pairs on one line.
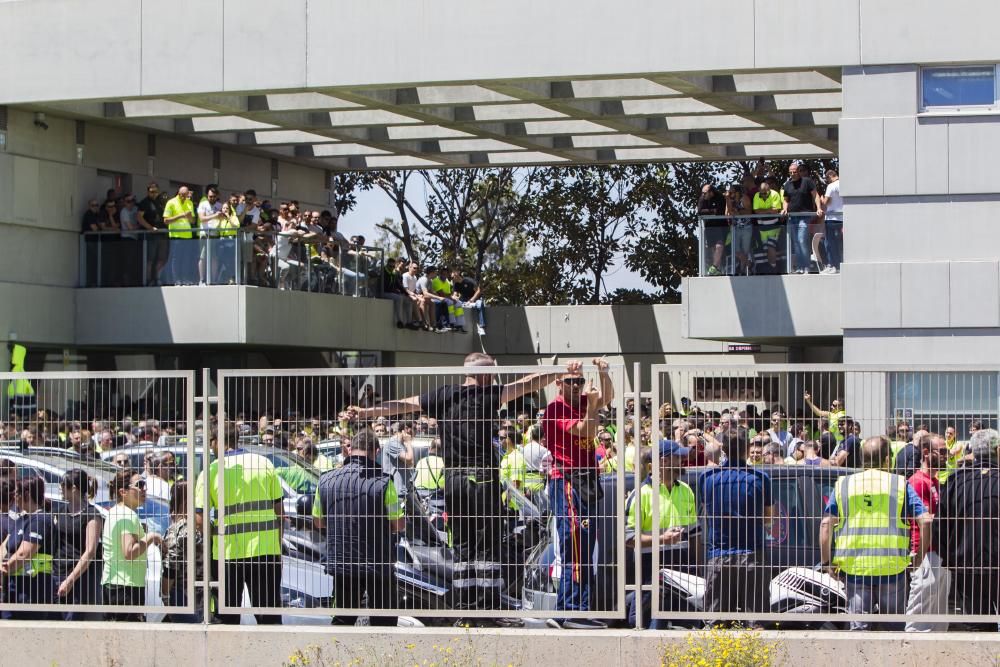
{"points": [[480, 330]]}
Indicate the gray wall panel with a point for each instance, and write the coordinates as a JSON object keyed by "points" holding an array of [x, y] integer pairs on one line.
{"points": [[899, 155], [925, 31], [973, 143], [870, 295], [975, 294], [830, 30], [920, 347], [932, 156], [65, 49], [183, 60], [254, 59], [924, 294], [762, 306], [861, 141], [880, 91]]}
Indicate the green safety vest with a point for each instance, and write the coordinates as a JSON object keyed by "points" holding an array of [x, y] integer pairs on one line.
{"points": [[442, 286], [323, 462], [39, 564], [873, 538], [429, 474], [179, 229], [834, 420], [250, 527]]}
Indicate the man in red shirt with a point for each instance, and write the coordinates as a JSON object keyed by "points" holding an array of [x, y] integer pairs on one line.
{"points": [[930, 581], [570, 423]]}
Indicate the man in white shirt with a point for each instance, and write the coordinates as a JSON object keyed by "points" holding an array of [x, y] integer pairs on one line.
{"points": [[209, 214], [428, 298], [411, 283], [833, 206]]}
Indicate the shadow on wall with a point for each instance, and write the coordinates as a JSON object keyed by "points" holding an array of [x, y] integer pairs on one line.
{"points": [[762, 306]]}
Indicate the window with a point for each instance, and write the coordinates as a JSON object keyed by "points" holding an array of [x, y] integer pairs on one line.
{"points": [[952, 88]]}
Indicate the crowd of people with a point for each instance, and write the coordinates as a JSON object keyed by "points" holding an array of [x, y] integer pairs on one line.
{"points": [[747, 220], [241, 238], [928, 503]]}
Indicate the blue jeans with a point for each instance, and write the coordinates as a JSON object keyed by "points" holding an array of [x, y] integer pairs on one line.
{"points": [[834, 238], [479, 308], [575, 526], [800, 228]]}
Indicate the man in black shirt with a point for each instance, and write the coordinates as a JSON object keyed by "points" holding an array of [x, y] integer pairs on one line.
{"points": [[966, 528], [800, 196], [157, 244], [466, 416], [469, 293]]}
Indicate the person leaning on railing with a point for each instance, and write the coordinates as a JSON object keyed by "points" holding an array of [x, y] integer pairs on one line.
{"points": [[766, 202]]}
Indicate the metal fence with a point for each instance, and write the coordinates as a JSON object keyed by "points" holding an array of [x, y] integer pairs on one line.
{"points": [[484, 512], [470, 527], [87, 526], [812, 523]]}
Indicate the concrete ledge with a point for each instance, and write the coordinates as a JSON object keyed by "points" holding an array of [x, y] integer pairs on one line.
{"points": [[49, 644]]}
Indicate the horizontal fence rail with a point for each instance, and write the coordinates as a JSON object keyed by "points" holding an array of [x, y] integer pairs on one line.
{"points": [[96, 518]]}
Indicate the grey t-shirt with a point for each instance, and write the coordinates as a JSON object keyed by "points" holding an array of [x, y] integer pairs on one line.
{"points": [[389, 460]]}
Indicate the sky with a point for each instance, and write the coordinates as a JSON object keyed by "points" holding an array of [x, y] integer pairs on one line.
{"points": [[374, 206]]}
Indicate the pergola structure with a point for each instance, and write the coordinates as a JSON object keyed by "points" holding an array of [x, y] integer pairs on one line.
{"points": [[634, 118]]}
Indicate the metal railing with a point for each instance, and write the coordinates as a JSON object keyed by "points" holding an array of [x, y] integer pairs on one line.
{"points": [[244, 257], [771, 519], [746, 245]]}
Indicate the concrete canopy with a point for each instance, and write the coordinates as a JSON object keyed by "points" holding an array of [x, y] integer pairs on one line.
{"points": [[631, 118]]}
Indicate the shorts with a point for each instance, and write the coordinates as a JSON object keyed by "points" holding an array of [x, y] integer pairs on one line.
{"points": [[769, 233]]}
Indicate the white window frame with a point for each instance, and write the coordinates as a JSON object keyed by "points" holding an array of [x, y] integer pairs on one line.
{"points": [[969, 109]]}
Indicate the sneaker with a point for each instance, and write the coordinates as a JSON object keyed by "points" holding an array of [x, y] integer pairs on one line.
{"points": [[714, 271], [416, 326], [400, 325], [201, 283], [480, 330], [583, 624], [459, 330], [553, 623], [829, 271], [442, 330]]}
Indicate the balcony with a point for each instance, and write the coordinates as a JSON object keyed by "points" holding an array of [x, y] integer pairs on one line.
{"points": [[271, 259], [754, 286]]}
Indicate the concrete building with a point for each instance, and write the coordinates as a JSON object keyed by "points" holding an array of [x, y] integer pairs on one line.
{"points": [[402, 84]]}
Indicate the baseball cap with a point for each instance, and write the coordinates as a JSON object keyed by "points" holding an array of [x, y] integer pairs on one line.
{"points": [[671, 448]]}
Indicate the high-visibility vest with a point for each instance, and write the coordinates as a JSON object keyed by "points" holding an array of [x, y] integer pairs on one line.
{"points": [[429, 474], [228, 225], [19, 388], [873, 538], [834, 420], [181, 228], [323, 462], [250, 527]]}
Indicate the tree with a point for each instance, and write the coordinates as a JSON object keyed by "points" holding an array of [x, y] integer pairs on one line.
{"points": [[468, 216], [584, 218]]}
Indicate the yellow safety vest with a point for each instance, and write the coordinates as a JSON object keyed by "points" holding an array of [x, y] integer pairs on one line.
{"points": [[250, 527], [179, 229], [873, 538], [228, 225]]}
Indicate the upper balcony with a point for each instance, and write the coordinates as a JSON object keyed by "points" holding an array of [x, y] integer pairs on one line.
{"points": [[765, 278]]}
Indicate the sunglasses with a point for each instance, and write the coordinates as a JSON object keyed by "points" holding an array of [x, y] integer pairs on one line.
{"points": [[140, 485], [606, 440], [578, 382]]}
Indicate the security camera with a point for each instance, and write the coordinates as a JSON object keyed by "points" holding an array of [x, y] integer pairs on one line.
{"points": [[40, 121]]}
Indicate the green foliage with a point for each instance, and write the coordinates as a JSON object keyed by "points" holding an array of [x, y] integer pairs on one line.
{"points": [[720, 647]]}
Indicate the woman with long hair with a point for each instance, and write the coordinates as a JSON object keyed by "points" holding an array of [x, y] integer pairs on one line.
{"points": [[173, 583], [125, 543], [78, 558], [31, 548]]}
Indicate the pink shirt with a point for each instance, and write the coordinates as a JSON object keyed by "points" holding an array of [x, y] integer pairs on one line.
{"points": [[569, 451]]}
